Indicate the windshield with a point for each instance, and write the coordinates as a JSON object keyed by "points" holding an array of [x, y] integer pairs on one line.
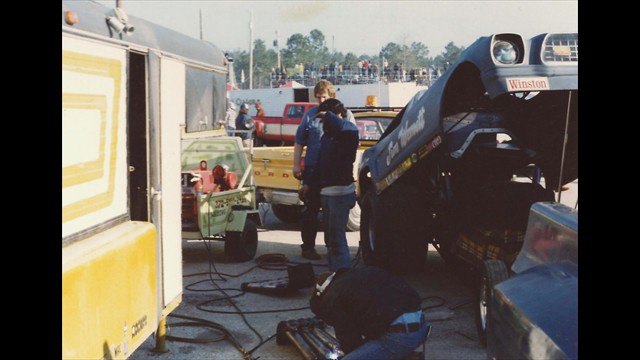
{"points": [[372, 127]]}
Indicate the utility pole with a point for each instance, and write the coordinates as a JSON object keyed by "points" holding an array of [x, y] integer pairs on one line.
{"points": [[277, 43], [200, 23], [251, 51]]}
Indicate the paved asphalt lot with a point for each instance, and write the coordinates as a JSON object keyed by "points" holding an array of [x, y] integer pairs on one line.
{"points": [[447, 300]]}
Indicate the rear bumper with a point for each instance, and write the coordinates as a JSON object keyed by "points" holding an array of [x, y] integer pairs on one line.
{"points": [[283, 197]]}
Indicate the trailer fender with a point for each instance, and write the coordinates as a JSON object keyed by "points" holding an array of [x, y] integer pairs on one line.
{"points": [[239, 215]]}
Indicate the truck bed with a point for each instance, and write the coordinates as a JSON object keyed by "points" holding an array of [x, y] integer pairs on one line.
{"points": [[272, 168]]}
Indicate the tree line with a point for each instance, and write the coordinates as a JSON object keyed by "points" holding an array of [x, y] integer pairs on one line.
{"points": [[303, 50]]}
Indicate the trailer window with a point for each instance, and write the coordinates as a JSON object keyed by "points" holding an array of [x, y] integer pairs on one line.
{"points": [[203, 105]]}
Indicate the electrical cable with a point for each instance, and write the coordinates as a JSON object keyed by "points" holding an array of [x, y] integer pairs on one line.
{"points": [[192, 340], [274, 261], [227, 335], [267, 261], [239, 312], [210, 256], [227, 297], [262, 343]]}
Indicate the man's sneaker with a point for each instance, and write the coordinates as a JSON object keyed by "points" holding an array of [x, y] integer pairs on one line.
{"points": [[310, 254]]}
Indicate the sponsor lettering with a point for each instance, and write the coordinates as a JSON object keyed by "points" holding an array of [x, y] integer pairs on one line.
{"points": [[271, 174], [393, 150], [407, 163], [138, 326], [218, 212], [250, 102], [422, 152], [528, 84], [409, 132], [226, 202], [405, 135]]}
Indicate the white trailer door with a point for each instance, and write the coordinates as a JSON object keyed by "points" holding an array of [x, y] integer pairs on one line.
{"points": [[166, 115]]}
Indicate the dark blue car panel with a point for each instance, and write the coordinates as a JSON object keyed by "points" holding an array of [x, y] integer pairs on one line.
{"points": [[405, 144], [474, 75], [535, 314]]}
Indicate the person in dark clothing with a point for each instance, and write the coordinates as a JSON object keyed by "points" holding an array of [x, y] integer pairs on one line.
{"points": [[375, 314], [333, 175], [308, 135], [244, 122]]}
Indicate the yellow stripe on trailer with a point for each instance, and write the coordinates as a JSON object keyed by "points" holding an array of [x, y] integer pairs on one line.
{"points": [[109, 297]]}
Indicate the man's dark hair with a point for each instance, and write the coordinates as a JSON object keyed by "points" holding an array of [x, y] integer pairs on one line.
{"points": [[333, 105]]}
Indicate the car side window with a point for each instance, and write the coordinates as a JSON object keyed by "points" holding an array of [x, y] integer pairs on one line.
{"points": [[296, 111], [369, 128]]}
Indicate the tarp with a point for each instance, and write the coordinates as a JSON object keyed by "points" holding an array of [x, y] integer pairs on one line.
{"points": [[292, 84]]}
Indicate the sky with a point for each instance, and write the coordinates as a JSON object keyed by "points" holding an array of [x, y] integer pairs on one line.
{"points": [[361, 27]]}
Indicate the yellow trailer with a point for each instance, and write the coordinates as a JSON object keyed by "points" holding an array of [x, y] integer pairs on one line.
{"points": [[132, 91]]}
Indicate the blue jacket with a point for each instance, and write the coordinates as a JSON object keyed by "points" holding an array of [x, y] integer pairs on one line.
{"points": [[308, 134], [338, 147], [244, 122]]}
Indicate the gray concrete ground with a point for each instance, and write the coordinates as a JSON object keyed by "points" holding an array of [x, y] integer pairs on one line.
{"points": [[448, 299]]}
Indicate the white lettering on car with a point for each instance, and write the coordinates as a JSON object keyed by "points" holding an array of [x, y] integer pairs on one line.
{"points": [[409, 132], [406, 134], [394, 149]]}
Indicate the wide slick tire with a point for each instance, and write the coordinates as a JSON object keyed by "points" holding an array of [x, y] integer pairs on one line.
{"points": [[493, 273], [370, 246]]}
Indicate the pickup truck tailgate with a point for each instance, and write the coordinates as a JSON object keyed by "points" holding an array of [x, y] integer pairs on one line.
{"points": [[272, 168]]}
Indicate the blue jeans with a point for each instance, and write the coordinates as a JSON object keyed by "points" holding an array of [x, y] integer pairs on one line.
{"points": [[389, 346], [309, 221], [335, 210]]}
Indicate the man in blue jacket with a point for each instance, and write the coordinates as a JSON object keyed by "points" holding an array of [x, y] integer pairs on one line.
{"points": [[308, 135], [333, 175]]}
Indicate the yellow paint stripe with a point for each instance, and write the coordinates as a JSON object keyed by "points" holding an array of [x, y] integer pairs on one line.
{"points": [[112, 69], [91, 170]]}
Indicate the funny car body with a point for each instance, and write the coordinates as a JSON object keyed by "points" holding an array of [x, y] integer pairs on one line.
{"points": [[460, 166]]}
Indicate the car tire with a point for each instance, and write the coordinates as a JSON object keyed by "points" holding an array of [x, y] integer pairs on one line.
{"points": [[372, 255], [493, 273], [287, 213], [353, 224], [241, 246]]}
